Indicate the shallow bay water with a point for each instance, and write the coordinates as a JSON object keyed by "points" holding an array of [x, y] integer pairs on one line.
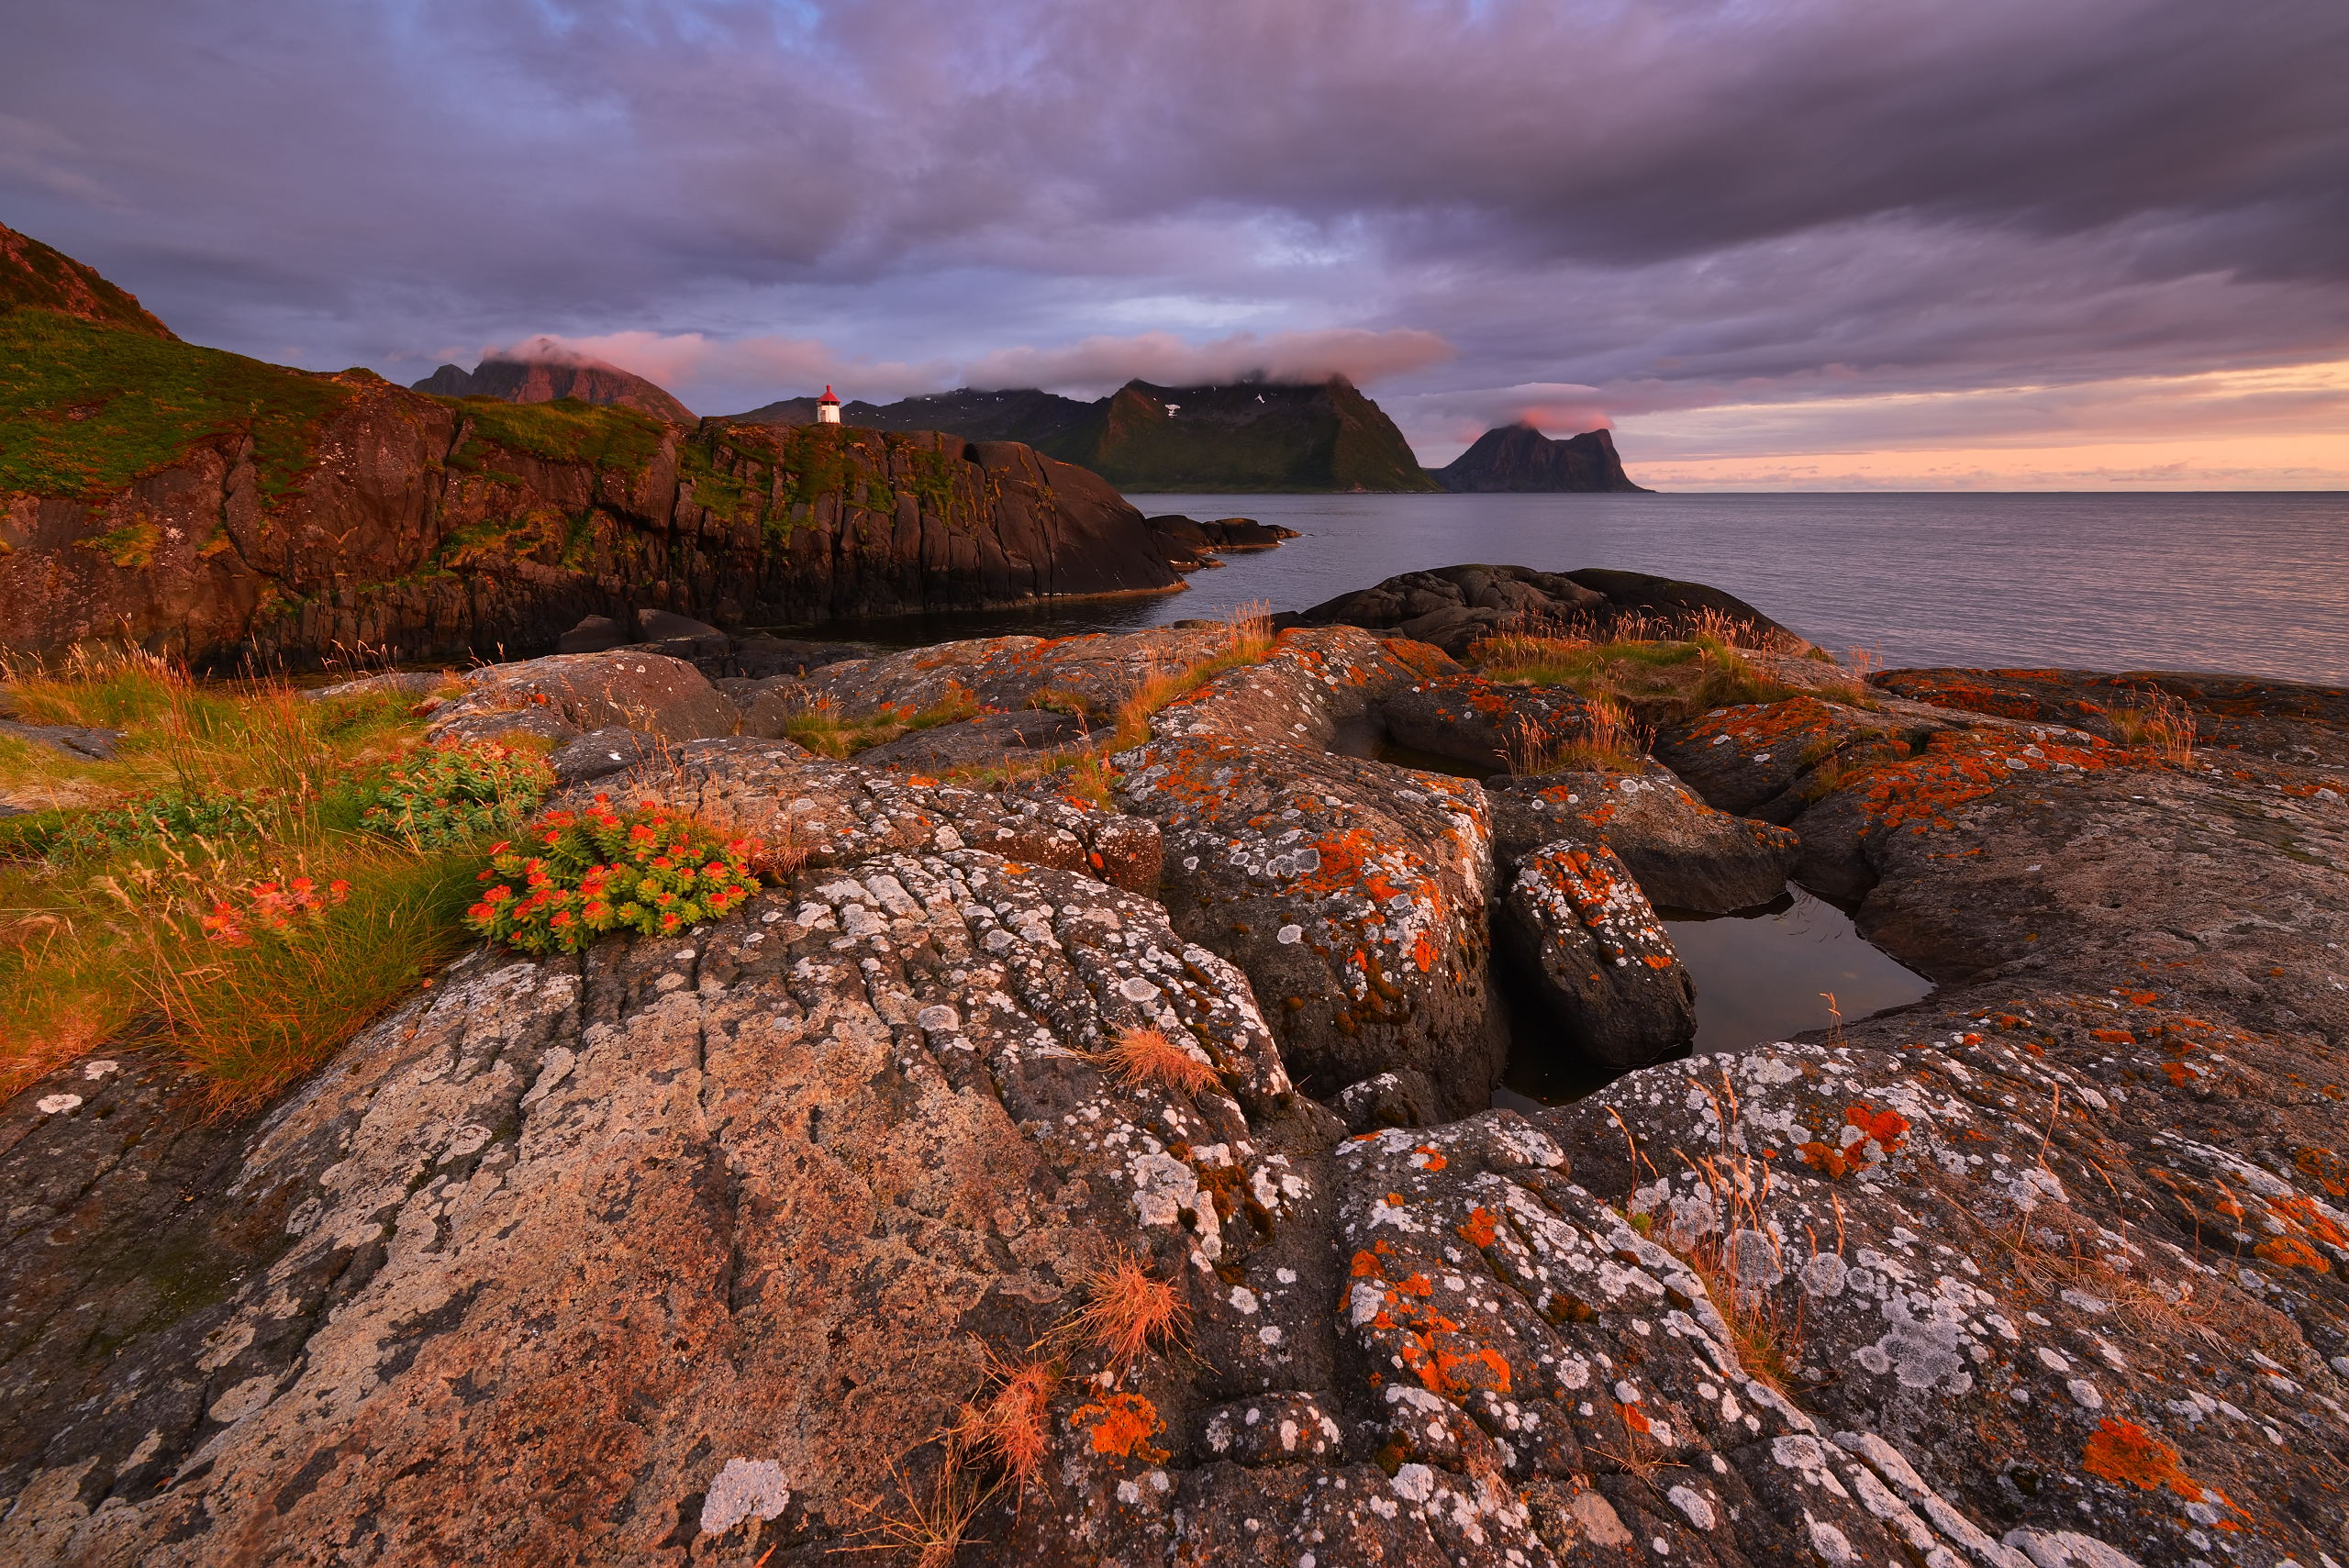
{"points": [[2249, 583]]}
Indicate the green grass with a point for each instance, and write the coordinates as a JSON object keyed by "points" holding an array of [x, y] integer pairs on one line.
{"points": [[828, 732], [565, 430], [117, 936], [86, 410], [1659, 680]]}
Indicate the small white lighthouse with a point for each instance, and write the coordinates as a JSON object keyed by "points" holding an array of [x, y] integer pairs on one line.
{"points": [[828, 408]]}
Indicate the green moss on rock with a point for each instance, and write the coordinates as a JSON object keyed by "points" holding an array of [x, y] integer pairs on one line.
{"points": [[86, 410]]}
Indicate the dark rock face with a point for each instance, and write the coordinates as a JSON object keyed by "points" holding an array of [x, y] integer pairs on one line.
{"points": [[1190, 545], [527, 378], [1454, 605], [689, 1251], [1520, 458], [439, 532], [1254, 436], [1577, 924]]}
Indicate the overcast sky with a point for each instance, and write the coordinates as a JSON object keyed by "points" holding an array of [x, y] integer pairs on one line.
{"points": [[2067, 243]]}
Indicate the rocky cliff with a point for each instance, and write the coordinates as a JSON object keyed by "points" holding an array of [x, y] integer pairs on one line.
{"points": [[550, 375], [196, 501], [1248, 437], [1520, 458]]}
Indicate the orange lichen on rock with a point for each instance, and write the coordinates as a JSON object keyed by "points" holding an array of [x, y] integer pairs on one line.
{"points": [[2291, 1252], [1122, 1425], [1479, 1231], [1887, 1130], [2125, 1451]]}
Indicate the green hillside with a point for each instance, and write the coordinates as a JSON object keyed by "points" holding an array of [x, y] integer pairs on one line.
{"points": [[86, 408], [1252, 436]]}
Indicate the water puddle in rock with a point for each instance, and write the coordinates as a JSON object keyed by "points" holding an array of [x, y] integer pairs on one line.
{"points": [[1760, 975]]}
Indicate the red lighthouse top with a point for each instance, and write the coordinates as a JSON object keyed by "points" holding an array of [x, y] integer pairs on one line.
{"points": [[827, 396]]}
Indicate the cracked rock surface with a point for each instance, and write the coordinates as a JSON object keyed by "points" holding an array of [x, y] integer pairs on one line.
{"points": [[689, 1251]]}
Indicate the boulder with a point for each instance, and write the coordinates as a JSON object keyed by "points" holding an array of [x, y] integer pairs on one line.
{"points": [[829, 813], [1404, 1098], [1352, 894], [1475, 720], [1579, 928], [73, 740], [583, 1256], [1758, 759], [1682, 852], [594, 634], [568, 695], [1094, 673]]}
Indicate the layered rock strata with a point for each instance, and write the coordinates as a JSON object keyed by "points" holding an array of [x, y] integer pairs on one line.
{"points": [[423, 528]]}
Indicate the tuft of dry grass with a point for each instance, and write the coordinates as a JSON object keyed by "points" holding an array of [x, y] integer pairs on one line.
{"points": [[1741, 1259], [1607, 740], [928, 1526], [2155, 719], [1251, 641], [1142, 1055], [1126, 1310], [1013, 1426]]}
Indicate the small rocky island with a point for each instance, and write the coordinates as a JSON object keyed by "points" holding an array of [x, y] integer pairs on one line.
{"points": [[1092, 1163]]}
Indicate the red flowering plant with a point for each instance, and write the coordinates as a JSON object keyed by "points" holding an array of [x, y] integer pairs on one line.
{"points": [[269, 907], [572, 876]]}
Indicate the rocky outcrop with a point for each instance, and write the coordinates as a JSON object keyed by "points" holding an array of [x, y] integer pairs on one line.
{"points": [[1520, 458], [1454, 605], [1190, 544], [432, 530], [1482, 723], [542, 371], [1685, 854], [690, 1251], [31, 274], [1581, 930]]}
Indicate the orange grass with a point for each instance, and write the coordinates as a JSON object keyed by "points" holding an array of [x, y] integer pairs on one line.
{"points": [[1126, 1310], [1013, 1426], [1143, 1055]]}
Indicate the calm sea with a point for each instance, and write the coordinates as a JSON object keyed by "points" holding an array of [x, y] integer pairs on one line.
{"points": [[2255, 583]]}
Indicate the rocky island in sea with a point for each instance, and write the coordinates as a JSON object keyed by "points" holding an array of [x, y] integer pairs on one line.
{"points": [[1061, 1131]]}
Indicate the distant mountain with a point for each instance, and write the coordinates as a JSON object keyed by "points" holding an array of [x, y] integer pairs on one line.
{"points": [[542, 379], [1039, 418], [31, 273], [1252, 436], [1519, 457]]}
